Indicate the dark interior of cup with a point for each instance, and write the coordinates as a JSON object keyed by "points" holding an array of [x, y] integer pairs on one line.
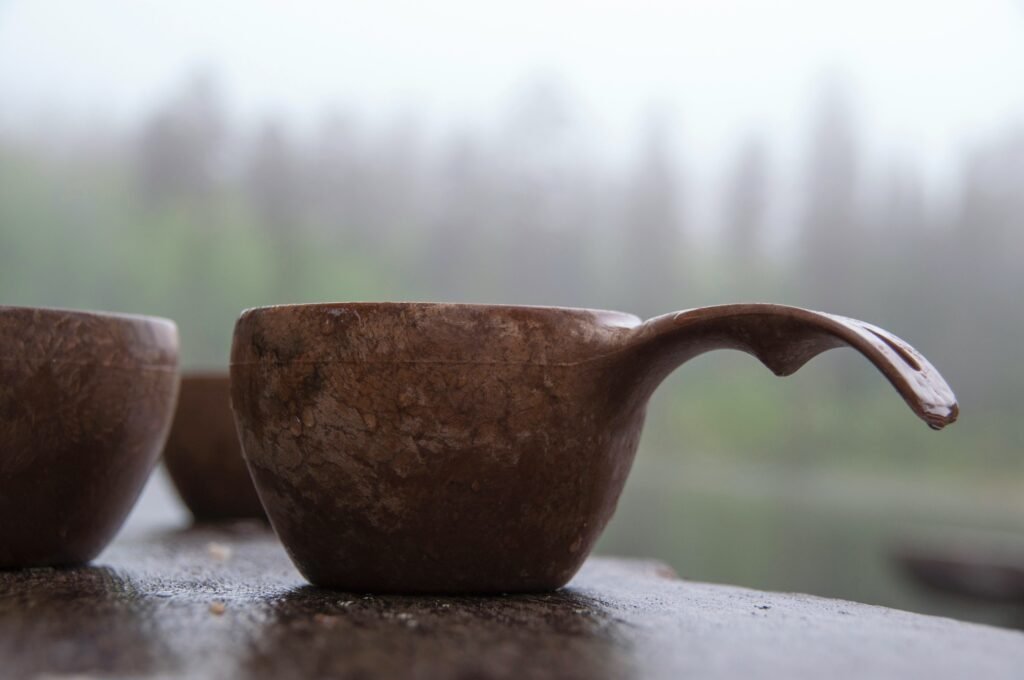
{"points": [[203, 455], [85, 405]]}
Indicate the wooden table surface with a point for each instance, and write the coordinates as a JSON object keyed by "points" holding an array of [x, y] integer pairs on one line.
{"points": [[220, 603]]}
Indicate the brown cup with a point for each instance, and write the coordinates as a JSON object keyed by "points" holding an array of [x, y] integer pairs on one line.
{"points": [[203, 455], [464, 448], [85, 404]]}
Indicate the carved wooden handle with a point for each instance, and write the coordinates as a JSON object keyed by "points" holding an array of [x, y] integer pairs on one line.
{"points": [[785, 338]]}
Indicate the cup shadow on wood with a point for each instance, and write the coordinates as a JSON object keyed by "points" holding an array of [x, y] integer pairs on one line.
{"points": [[560, 634]]}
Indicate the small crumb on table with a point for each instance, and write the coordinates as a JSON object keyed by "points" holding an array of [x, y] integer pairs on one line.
{"points": [[218, 551], [327, 620]]}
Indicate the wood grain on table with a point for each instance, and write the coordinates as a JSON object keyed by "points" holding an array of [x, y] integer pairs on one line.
{"points": [[226, 602]]}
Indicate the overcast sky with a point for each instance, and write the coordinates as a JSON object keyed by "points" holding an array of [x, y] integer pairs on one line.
{"points": [[930, 78]]}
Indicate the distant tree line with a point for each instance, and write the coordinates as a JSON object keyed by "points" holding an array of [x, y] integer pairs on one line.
{"points": [[192, 215]]}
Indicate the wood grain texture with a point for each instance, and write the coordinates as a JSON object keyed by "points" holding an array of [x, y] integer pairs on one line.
{"points": [[203, 455], [218, 603], [85, 405], [417, 447]]}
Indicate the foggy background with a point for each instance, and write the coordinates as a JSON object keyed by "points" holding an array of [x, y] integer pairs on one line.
{"points": [[865, 159]]}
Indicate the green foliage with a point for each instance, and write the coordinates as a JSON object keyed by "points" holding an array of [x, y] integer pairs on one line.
{"points": [[78, 233], [741, 476]]}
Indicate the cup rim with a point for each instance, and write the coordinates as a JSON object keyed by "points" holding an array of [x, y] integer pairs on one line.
{"points": [[144, 341], [88, 313], [300, 333], [424, 305], [206, 375]]}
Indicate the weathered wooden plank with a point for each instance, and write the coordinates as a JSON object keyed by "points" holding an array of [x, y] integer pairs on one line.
{"points": [[226, 603]]}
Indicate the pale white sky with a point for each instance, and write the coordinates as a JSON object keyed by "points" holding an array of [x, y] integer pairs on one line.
{"points": [[930, 77]]}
